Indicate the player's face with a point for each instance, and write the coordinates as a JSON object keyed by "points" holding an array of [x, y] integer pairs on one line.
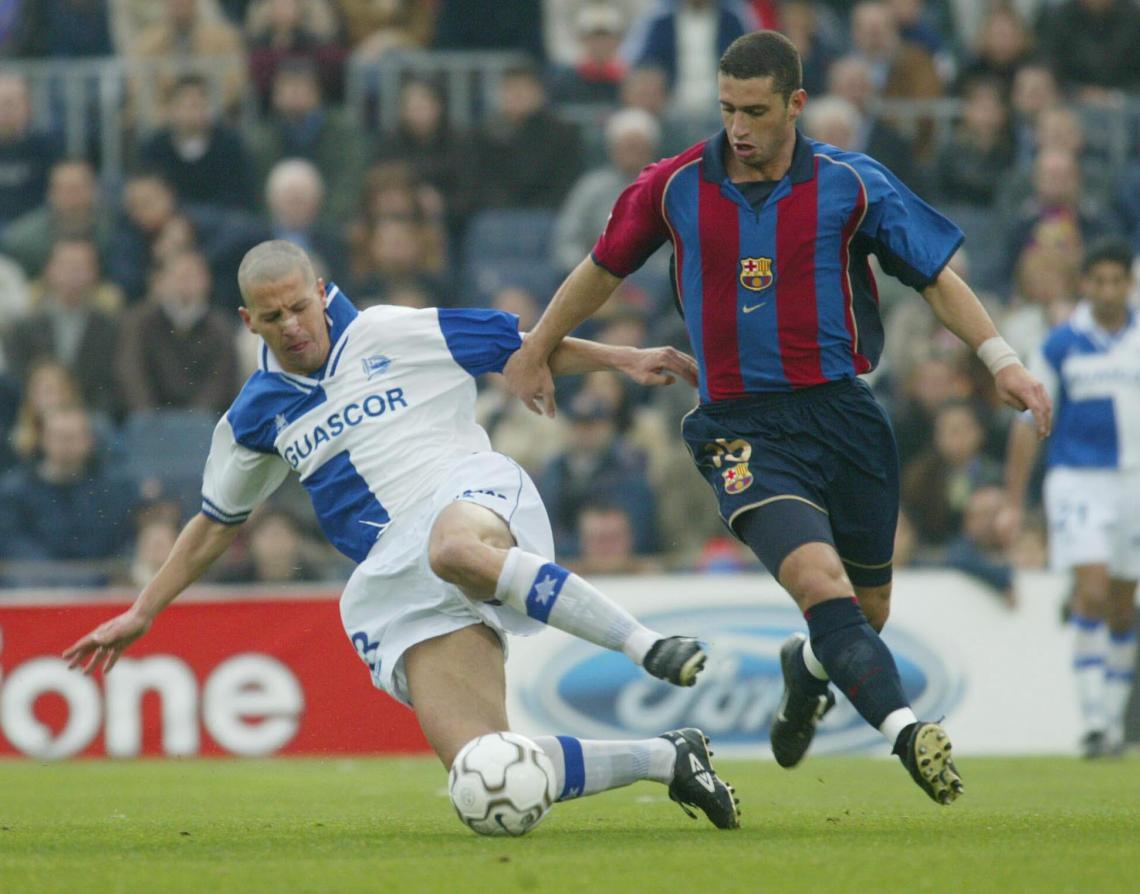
{"points": [[759, 123], [1107, 285], [289, 315]]}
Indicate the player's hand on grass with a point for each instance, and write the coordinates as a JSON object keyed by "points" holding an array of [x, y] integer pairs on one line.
{"points": [[660, 366], [106, 643], [1017, 388], [530, 380]]}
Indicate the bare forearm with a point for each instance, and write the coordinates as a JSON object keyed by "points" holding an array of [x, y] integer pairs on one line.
{"points": [[576, 355], [199, 545], [959, 310], [1020, 455], [585, 290]]}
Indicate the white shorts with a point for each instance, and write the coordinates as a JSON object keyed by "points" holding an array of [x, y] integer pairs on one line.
{"points": [[1094, 519], [393, 600]]}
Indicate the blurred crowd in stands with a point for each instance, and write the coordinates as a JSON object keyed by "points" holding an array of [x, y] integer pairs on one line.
{"points": [[467, 152]]}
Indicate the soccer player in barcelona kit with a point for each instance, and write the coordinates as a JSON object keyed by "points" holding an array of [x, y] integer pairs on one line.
{"points": [[770, 234], [374, 411], [1091, 366]]}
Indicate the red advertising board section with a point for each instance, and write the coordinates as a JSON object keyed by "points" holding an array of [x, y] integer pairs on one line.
{"points": [[245, 676]]}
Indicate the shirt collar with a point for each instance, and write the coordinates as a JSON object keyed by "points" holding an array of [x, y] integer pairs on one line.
{"points": [[713, 168]]}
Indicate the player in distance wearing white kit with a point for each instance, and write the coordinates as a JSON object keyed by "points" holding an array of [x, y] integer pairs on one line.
{"points": [[375, 411], [1091, 366]]}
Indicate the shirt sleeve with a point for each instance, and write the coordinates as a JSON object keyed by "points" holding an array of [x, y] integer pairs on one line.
{"points": [[636, 227], [912, 240], [480, 340], [237, 479]]}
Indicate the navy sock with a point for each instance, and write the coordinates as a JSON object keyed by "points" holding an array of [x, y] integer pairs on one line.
{"points": [[855, 658]]}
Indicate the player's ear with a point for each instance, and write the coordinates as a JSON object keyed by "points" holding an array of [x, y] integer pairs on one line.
{"points": [[321, 293], [243, 312]]}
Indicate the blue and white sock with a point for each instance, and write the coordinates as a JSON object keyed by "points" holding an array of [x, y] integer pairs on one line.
{"points": [[549, 593], [1119, 671], [588, 766], [1089, 647]]}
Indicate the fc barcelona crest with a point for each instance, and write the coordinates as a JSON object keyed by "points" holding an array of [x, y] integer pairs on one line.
{"points": [[756, 273], [737, 478]]}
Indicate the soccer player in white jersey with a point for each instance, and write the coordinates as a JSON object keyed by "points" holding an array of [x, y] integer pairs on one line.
{"points": [[375, 412], [1091, 364]]}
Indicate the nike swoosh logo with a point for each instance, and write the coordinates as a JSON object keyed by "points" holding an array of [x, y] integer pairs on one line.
{"points": [[374, 524], [749, 310]]}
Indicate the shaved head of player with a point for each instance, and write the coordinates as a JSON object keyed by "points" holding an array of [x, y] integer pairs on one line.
{"points": [[285, 305]]}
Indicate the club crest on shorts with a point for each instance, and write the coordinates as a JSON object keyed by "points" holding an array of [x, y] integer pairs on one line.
{"points": [[756, 273], [737, 479]]}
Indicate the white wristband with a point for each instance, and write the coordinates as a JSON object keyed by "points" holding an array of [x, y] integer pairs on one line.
{"points": [[996, 354]]}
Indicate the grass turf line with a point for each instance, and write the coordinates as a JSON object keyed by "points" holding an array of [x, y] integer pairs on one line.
{"points": [[835, 824]]}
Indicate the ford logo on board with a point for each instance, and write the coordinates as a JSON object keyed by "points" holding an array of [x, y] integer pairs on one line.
{"points": [[586, 692]]}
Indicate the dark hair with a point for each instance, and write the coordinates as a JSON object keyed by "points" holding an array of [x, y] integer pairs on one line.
{"points": [[1110, 250], [189, 80], [298, 67], [764, 54]]}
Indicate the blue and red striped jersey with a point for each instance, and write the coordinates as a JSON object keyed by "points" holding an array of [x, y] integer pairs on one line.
{"points": [[781, 297]]}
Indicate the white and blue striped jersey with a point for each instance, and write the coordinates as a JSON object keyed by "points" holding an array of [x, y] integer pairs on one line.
{"points": [[373, 431], [1093, 377]]}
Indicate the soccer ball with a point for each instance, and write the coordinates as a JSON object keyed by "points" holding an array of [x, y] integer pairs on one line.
{"points": [[501, 784]]}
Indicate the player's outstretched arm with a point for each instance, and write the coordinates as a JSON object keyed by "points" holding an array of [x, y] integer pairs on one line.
{"points": [[528, 371], [199, 545], [646, 366], [960, 311]]}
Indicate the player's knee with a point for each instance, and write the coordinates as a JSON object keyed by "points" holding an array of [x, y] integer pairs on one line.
{"points": [[814, 574]]}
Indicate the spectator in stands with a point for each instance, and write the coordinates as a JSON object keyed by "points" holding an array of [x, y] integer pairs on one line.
{"points": [[560, 25], [72, 211], [526, 157], [975, 161], [203, 160], [918, 24], [294, 195], [48, 385], [851, 78], [930, 383], [190, 39], [800, 22], [646, 87], [1034, 91], [1092, 44], [632, 140], [15, 298], [1059, 214], [303, 126], [423, 139], [176, 350], [397, 256], [1044, 296], [65, 505], [498, 25], [1001, 48], [26, 155], [131, 18], [282, 31], [937, 484], [596, 460], [833, 120], [981, 547], [277, 553], [158, 527], [899, 68], [605, 535], [61, 29], [686, 38], [68, 327], [374, 28], [596, 73], [9, 414]]}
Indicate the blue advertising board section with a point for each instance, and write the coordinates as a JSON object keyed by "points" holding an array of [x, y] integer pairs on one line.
{"points": [[1000, 677]]}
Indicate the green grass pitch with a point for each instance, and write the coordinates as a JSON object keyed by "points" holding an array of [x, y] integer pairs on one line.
{"points": [[378, 825]]}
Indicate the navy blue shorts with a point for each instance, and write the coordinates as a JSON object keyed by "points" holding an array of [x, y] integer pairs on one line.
{"points": [[828, 449]]}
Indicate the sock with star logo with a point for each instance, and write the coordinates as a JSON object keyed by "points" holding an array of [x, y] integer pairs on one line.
{"points": [[549, 593]]}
